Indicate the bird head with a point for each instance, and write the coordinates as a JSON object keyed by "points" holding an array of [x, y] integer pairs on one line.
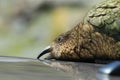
{"points": [[67, 45]]}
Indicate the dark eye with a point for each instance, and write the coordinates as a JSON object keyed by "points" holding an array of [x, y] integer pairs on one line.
{"points": [[60, 38]]}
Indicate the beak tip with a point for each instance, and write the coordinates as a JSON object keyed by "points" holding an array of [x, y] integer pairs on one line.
{"points": [[45, 57], [44, 51], [38, 57]]}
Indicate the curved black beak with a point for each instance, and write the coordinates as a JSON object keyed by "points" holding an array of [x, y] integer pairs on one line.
{"points": [[44, 51]]}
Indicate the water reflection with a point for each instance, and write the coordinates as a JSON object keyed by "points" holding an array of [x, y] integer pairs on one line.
{"points": [[78, 70], [16, 68]]}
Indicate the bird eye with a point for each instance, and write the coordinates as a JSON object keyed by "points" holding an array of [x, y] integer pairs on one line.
{"points": [[60, 38]]}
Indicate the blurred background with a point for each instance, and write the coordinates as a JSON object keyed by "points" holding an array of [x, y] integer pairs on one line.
{"points": [[28, 26]]}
